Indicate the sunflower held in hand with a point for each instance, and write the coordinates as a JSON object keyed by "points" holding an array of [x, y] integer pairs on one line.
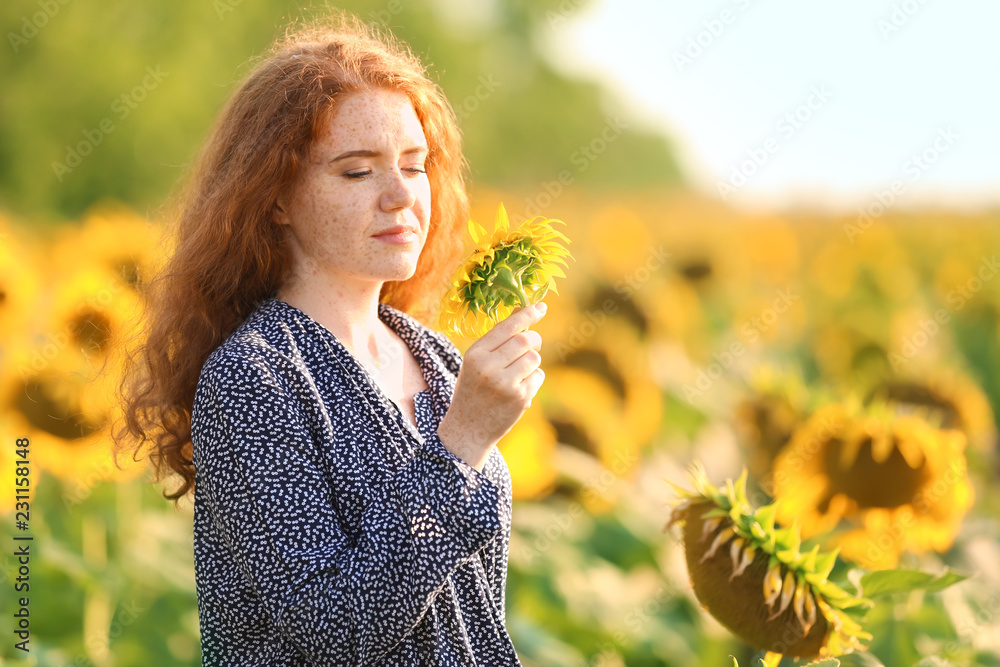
{"points": [[513, 268]]}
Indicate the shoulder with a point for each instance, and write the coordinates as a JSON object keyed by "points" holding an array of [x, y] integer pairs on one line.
{"points": [[252, 356]]}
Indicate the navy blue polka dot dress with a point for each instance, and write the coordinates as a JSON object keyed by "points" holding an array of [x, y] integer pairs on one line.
{"points": [[329, 531]]}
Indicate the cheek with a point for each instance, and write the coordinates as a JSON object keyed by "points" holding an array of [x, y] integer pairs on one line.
{"points": [[320, 214], [423, 195]]}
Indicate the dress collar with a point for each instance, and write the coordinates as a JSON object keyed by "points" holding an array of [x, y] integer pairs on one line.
{"points": [[414, 334]]}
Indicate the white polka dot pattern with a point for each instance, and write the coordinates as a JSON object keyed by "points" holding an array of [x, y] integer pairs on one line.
{"points": [[326, 530]]}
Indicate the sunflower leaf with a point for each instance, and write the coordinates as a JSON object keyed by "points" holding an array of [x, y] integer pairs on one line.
{"points": [[890, 582]]}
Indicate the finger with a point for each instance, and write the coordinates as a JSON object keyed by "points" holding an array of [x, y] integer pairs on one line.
{"points": [[523, 366], [515, 346], [533, 383], [518, 321]]}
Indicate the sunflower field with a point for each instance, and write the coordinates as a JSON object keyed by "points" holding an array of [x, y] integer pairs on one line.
{"points": [[764, 436], [760, 437]]}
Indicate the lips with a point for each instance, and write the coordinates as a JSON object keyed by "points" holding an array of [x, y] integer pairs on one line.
{"points": [[398, 229], [401, 234]]}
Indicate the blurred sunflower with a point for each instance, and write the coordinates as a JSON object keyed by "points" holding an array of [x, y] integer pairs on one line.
{"points": [[599, 395], [777, 402], [771, 249], [530, 451], [63, 396], [946, 399], [618, 239], [885, 265], [753, 578], [676, 312], [20, 294], [514, 267], [846, 345], [67, 440], [834, 268], [91, 314], [113, 238], [899, 483]]}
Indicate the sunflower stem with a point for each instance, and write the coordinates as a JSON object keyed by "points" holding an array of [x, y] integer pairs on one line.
{"points": [[505, 279]]}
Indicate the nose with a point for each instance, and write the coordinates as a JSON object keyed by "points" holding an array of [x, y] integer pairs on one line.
{"points": [[398, 194]]}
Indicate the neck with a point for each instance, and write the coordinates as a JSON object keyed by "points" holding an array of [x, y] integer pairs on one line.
{"points": [[348, 309]]}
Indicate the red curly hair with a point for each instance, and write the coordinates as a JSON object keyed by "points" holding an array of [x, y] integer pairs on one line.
{"points": [[228, 254]]}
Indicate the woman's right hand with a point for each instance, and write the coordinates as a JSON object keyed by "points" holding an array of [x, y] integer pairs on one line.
{"points": [[500, 375]]}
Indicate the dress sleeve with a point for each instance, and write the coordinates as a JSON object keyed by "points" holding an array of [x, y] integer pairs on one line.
{"points": [[340, 600]]}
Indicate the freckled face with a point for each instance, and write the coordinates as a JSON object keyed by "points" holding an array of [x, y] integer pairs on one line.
{"points": [[364, 176]]}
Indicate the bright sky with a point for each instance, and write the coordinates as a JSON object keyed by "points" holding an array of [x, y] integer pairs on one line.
{"points": [[786, 101]]}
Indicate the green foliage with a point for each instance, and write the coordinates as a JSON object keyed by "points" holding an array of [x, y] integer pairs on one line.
{"points": [[890, 582], [85, 117], [112, 575]]}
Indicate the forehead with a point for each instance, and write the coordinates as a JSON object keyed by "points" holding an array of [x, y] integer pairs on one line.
{"points": [[371, 119]]}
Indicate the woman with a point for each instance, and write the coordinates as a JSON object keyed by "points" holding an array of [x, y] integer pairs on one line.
{"points": [[350, 505]]}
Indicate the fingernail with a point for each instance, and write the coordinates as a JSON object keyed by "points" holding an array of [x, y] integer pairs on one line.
{"points": [[541, 308]]}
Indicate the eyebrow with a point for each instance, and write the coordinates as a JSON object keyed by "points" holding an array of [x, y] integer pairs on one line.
{"points": [[371, 153]]}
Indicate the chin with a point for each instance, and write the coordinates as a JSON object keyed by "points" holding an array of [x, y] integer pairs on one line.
{"points": [[399, 273]]}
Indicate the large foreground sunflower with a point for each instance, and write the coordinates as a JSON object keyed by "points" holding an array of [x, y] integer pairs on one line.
{"points": [[754, 579], [512, 268], [898, 483]]}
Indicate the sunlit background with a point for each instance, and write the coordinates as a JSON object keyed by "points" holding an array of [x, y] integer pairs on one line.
{"points": [[783, 216]]}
